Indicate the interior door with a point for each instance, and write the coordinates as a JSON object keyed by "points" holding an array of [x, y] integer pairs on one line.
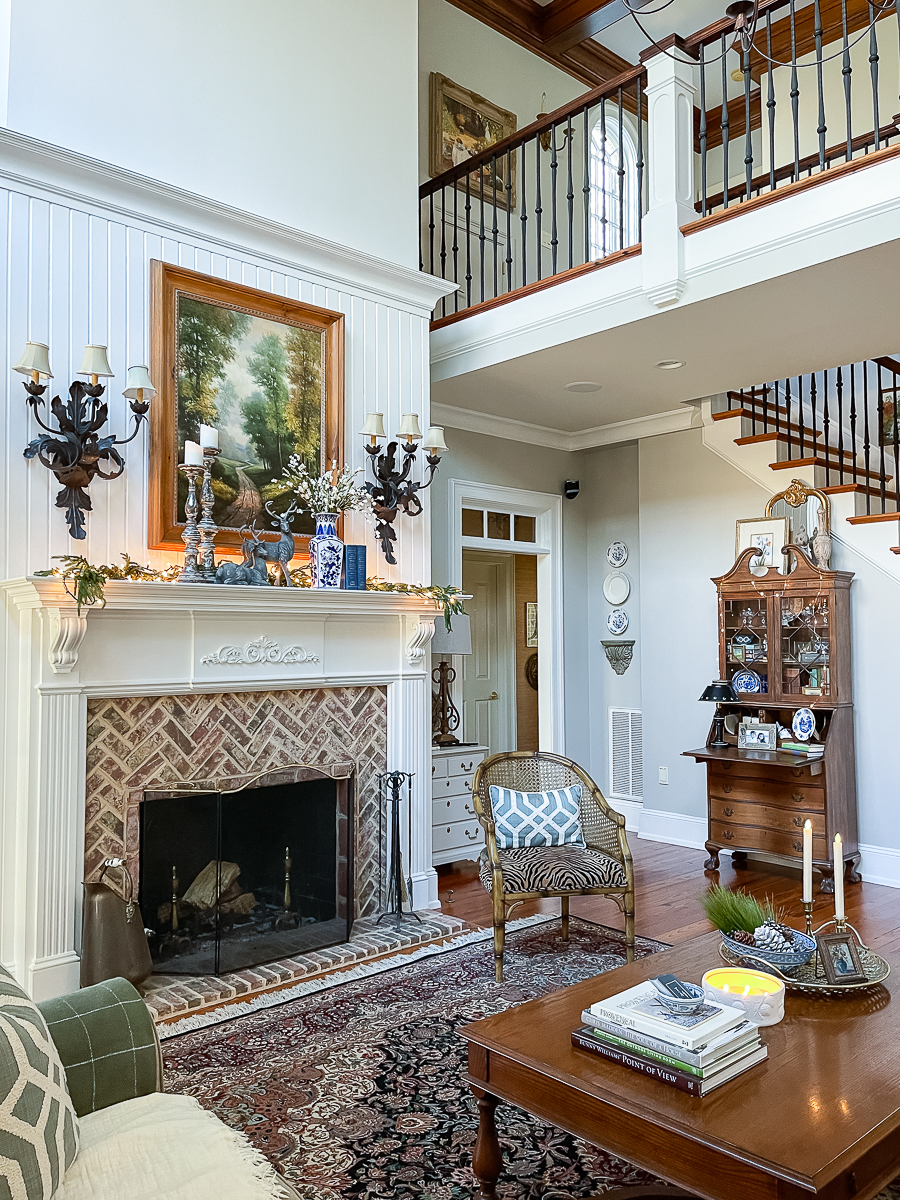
{"points": [[489, 686]]}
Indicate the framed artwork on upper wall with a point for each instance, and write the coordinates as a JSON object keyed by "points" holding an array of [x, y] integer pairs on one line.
{"points": [[462, 125], [266, 371], [768, 535]]}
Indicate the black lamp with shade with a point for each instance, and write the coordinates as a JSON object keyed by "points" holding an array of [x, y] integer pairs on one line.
{"points": [[719, 692], [455, 640]]}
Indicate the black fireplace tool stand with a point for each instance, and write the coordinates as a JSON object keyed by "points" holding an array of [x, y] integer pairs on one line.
{"points": [[390, 787]]}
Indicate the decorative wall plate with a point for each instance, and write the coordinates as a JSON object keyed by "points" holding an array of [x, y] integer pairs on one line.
{"points": [[617, 554], [804, 724], [746, 681], [617, 621], [617, 588]]}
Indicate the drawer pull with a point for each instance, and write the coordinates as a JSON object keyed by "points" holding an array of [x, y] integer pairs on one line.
{"points": [[729, 812], [726, 766], [797, 797], [473, 837], [469, 767], [470, 811], [798, 821], [727, 788], [798, 846], [449, 802], [797, 772], [727, 835]]}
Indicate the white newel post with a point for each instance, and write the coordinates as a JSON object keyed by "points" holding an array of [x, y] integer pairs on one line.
{"points": [[670, 94]]}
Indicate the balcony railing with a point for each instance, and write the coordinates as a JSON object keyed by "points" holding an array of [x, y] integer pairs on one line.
{"points": [[546, 203]]}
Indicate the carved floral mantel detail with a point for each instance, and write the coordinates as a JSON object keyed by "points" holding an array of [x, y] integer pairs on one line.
{"points": [[260, 650], [618, 655]]}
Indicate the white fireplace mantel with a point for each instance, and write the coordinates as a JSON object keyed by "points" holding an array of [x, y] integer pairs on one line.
{"points": [[170, 639]]}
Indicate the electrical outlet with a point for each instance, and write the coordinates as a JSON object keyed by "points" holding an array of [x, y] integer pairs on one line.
{"points": [[547, 238], [663, 774]]}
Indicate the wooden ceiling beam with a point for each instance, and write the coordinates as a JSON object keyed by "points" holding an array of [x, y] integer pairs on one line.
{"points": [[567, 23], [522, 22]]}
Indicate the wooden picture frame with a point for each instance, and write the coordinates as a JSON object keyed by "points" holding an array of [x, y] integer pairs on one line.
{"points": [[255, 310], [839, 956], [771, 533], [478, 125]]}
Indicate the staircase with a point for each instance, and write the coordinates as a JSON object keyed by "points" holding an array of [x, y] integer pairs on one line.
{"points": [[823, 429]]}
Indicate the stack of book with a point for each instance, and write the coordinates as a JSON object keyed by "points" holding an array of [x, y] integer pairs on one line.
{"points": [[810, 749], [355, 568], [695, 1052]]}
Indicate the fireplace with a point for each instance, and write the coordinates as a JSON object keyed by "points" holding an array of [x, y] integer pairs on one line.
{"points": [[231, 878]]}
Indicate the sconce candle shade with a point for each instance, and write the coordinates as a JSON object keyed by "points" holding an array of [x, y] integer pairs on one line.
{"points": [[139, 381], [455, 640], [95, 362], [36, 357], [209, 437], [434, 440], [373, 425], [409, 426]]}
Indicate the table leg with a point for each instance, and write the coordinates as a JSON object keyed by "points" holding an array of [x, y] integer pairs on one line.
{"points": [[487, 1160]]}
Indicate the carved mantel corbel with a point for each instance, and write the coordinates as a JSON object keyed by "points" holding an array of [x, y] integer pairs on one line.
{"points": [[67, 630], [420, 631]]}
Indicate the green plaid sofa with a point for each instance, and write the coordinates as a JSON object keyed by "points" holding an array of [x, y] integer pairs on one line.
{"points": [[138, 1141]]}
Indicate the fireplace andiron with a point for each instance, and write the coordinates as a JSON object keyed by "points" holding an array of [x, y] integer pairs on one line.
{"points": [[390, 788]]}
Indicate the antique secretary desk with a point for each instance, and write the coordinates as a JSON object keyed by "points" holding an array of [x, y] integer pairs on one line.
{"points": [[787, 638]]}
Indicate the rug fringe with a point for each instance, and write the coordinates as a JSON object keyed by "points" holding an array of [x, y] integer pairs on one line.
{"points": [[229, 1011]]}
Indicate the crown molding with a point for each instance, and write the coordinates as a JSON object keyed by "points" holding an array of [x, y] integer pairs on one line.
{"points": [[30, 165], [466, 419]]}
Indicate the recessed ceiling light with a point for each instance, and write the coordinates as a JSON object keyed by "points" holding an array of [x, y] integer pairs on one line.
{"points": [[670, 364], [583, 385]]}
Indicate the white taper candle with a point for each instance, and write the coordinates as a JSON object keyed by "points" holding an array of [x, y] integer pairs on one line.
{"points": [[193, 454], [838, 878], [209, 437], [807, 862]]}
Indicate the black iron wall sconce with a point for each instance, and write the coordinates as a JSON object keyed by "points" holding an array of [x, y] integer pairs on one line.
{"points": [[394, 490], [74, 452]]}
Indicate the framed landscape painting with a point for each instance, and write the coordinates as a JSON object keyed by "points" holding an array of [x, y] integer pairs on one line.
{"points": [[265, 371], [462, 125]]}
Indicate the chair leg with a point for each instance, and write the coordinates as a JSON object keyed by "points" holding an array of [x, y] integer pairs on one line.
{"points": [[499, 938], [564, 908], [629, 928]]}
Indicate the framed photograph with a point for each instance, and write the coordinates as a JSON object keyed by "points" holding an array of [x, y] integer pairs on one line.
{"points": [[267, 372], [462, 125], [531, 623], [768, 535], [840, 958], [757, 737]]}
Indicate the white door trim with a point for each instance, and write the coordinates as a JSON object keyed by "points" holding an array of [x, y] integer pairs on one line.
{"points": [[546, 508]]}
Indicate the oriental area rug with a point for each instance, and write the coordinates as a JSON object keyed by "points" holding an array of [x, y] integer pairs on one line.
{"points": [[358, 1091]]}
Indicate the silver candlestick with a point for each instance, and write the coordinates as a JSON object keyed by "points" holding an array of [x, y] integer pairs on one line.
{"points": [[207, 526], [191, 533]]}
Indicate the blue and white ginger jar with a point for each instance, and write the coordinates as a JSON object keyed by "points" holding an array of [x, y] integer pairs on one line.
{"points": [[326, 552]]}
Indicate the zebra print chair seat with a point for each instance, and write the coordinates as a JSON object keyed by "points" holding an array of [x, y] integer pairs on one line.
{"points": [[602, 867]]}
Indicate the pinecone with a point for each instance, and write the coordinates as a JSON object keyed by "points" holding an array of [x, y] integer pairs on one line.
{"points": [[742, 936], [769, 938], [785, 930]]}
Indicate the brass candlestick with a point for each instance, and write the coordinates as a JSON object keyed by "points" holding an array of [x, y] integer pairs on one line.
{"points": [[191, 573], [207, 526], [808, 911]]}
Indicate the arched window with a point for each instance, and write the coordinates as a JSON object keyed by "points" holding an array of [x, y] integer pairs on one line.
{"points": [[614, 188]]}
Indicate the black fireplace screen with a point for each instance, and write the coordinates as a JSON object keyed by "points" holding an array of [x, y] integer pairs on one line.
{"points": [[230, 880]]}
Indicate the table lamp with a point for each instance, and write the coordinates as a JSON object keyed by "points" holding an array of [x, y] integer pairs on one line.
{"points": [[719, 692], [444, 713]]}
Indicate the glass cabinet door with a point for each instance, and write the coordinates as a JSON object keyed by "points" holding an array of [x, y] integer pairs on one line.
{"points": [[805, 645], [746, 644]]}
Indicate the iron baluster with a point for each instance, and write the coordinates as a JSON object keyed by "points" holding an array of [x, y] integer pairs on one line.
{"points": [[455, 248], [881, 438], [481, 235], [703, 135], [847, 73], [826, 427], [621, 174], [570, 193], [839, 387], [866, 442], [813, 406], [539, 214], [509, 259], [586, 184], [496, 230], [821, 127], [777, 412], [431, 231], [725, 173], [770, 101], [787, 404], [853, 420], [640, 157], [873, 70], [748, 139], [554, 165], [524, 214], [443, 254], [801, 432], [468, 241], [795, 93], [604, 166]]}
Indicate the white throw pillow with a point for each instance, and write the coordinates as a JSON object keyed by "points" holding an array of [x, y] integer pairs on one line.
{"points": [[537, 818]]}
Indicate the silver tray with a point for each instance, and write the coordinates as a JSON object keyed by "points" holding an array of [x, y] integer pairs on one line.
{"points": [[804, 979]]}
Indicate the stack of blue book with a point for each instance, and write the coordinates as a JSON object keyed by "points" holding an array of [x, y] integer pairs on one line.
{"points": [[355, 568]]}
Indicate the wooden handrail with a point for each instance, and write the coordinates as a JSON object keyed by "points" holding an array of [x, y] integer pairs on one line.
{"points": [[517, 139]]}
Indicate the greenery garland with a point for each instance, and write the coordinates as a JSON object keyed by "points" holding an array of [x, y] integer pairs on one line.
{"points": [[88, 582]]}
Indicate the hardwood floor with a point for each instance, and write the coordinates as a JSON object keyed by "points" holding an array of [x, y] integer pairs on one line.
{"points": [[668, 883]]}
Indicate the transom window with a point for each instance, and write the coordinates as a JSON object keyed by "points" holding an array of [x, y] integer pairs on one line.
{"points": [[498, 526], [614, 192]]}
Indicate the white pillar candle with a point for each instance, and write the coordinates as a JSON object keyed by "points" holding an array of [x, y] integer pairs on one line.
{"points": [[193, 455], [807, 862], [209, 437], [838, 878]]}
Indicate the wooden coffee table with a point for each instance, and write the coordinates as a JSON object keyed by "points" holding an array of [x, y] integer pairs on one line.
{"points": [[820, 1117]]}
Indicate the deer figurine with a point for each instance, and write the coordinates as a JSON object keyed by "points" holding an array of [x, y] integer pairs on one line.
{"points": [[257, 552]]}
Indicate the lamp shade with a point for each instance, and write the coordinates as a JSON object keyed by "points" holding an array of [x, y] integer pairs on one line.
{"points": [[456, 640], [138, 379], [373, 426], [434, 439], [409, 426], [36, 357], [95, 362], [720, 691]]}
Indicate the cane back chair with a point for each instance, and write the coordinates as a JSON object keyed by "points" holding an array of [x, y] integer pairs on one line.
{"points": [[602, 867]]}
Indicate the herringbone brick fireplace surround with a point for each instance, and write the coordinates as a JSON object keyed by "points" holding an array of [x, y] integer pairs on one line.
{"points": [[138, 743]]}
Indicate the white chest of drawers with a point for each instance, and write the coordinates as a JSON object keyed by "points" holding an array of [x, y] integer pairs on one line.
{"points": [[455, 832]]}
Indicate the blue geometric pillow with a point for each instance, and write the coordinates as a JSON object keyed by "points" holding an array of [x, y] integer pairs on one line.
{"points": [[536, 818]]}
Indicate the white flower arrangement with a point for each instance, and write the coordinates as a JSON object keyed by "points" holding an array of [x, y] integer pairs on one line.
{"points": [[332, 492]]}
